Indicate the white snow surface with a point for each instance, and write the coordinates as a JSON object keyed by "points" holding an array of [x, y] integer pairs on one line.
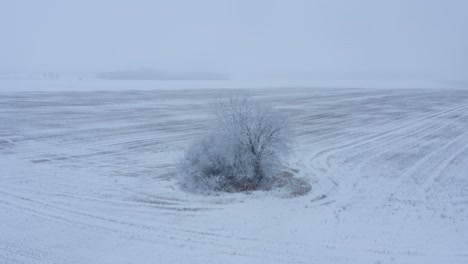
{"points": [[71, 83], [90, 177]]}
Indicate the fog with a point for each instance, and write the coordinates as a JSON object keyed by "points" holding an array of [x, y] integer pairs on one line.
{"points": [[313, 39]]}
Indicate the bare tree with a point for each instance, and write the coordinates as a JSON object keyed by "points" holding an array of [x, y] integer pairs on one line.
{"points": [[242, 151]]}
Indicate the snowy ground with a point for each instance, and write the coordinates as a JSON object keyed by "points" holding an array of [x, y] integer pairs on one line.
{"points": [[88, 177]]}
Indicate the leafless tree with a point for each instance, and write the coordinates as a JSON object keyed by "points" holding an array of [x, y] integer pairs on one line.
{"points": [[243, 150]]}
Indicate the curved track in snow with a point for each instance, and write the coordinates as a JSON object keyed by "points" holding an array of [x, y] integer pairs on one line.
{"points": [[89, 177]]}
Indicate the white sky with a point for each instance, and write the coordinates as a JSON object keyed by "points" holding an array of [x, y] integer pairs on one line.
{"points": [[343, 38]]}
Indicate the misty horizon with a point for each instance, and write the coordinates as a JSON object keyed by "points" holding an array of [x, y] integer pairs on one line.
{"points": [[296, 39]]}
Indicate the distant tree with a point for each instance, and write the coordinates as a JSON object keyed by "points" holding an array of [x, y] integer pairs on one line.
{"points": [[242, 151]]}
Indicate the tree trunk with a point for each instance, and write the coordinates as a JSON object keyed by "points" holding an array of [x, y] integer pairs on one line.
{"points": [[258, 170]]}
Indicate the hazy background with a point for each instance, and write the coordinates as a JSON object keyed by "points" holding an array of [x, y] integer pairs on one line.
{"points": [[336, 39]]}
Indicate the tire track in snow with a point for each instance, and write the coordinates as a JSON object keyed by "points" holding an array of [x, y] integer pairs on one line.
{"points": [[323, 155]]}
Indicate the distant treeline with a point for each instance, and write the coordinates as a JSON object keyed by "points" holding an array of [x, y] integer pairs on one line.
{"points": [[150, 74]]}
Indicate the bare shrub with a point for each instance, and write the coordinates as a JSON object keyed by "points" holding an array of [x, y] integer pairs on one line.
{"points": [[243, 150]]}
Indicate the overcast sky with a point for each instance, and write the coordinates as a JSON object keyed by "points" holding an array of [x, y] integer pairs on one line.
{"points": [[427, 38]]}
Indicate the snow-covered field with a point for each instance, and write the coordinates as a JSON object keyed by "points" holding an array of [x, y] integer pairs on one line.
{"points": [[89, 177]]}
